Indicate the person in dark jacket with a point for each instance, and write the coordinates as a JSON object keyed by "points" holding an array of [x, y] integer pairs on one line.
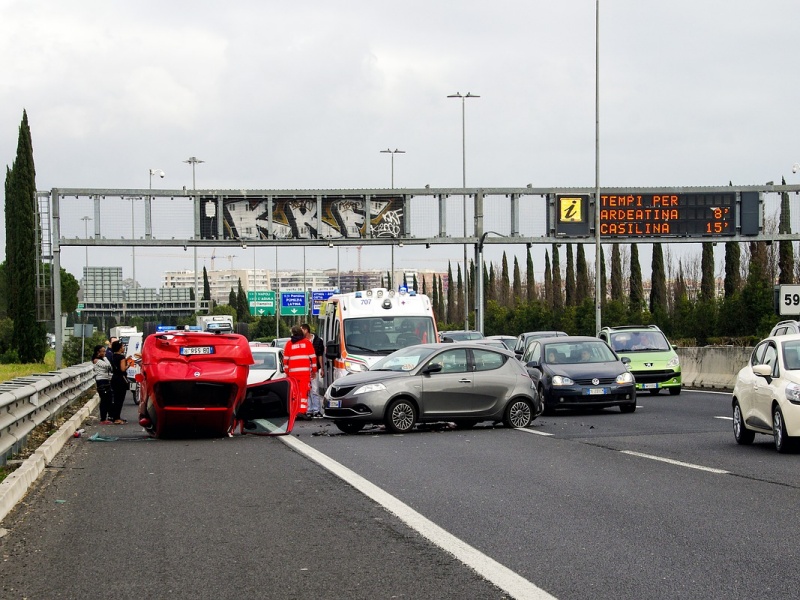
{"points": [[119, 380]]}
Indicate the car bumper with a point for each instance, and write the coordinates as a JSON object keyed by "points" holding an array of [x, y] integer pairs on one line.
{"points": [[576, 396], [656, 380]]}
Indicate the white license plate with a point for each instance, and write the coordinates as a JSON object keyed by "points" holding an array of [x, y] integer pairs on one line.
{"points": [[132, 386], [334, 403], [597, 391], [197, 350], [649, 386]]}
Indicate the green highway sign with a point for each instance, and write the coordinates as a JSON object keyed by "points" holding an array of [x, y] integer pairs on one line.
{"points": [[262, 304]]}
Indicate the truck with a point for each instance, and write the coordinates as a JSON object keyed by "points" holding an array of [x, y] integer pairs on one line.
{"points": [[215, 323], [359, 328], [122, 333]]}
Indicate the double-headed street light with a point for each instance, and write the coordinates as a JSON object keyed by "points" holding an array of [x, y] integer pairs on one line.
{"points": [[464, 185]]}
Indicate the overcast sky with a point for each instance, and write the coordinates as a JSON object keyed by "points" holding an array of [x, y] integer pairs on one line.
{"points": [[303, 95]]}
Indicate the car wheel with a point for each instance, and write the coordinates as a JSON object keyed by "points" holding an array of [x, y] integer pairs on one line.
{"points": [[465, 424], [674, 391], [349, 426], [546, 409], [783, 443], [519, 413], [628, 408], [401, 416], [742, 434]]}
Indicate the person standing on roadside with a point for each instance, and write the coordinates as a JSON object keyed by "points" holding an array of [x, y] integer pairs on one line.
{"points": [[102, 379], [119, 380], [300, 364], [315, 405], [109, 351]]}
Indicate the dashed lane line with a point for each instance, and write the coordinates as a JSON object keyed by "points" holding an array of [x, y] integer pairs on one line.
{"points": [[676, 462], [491, 570]]}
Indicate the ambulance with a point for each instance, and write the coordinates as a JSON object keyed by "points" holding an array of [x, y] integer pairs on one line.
{"points": [[359, 328]]}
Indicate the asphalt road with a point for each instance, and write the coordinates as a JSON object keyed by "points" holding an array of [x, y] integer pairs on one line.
{"points": [[580, 505]]}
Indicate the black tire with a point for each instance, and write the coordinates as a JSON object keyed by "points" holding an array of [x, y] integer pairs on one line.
{"points": [[465, 424], [628, 408], [519, 413], [349, 426], [654, 392], [783, 443], [401, 415], [674, 391], [741, 433], [546, 409]]}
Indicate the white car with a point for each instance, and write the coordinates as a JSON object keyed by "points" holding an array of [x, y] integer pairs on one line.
{"points": [[268, 363], [766, 397]]}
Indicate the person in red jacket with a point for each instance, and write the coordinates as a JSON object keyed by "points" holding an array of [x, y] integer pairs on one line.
{"points": [[300, 364]]}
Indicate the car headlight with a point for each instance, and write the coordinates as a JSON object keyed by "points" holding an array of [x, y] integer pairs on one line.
{"points": [[674, 363], [625, 377], [370, 387], [793, 393], [352, 366], [562, 380]]}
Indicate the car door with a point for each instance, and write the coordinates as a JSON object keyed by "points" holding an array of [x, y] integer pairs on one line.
{"points": [[763, 388], [745, 381], [448, 391], [491, 383]]}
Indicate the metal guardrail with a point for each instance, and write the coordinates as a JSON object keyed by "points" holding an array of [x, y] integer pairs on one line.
{"points": [[25, 402]]}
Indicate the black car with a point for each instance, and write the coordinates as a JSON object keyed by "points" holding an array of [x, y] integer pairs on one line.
{"points": [[524, 339], [579, 371]]}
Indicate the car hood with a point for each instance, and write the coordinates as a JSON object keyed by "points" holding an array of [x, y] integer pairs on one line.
{"points": [[658, 357], [588, 370], [368, 377]]}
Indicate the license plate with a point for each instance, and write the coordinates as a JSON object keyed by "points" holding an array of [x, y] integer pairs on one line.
{"points": [[186, 351], [132, 386], [649, 386], [597, 391], [334, 404]]}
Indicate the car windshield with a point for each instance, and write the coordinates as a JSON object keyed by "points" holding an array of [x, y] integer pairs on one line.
{"points": [[264, 361], [639, 341], [403, 360], [581, 352], [791, 355], [387, 334]]}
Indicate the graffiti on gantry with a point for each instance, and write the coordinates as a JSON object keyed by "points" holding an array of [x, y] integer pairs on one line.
{"points": [[298, 218]]}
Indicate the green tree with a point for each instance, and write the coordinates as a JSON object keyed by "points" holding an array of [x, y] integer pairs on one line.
{"points": [[733, 274], [28, 337], [233, 300], [617, 285], [582, 277], [658, 285], [242, 305], [757, 293], [458, 317], [206, 288], [570, 285], [530, 281], [636, 294], [69, 292], [707, 284], [505, 283], [414, 283], [548, 282], [558, 297], [516, 286], [451, 294]]}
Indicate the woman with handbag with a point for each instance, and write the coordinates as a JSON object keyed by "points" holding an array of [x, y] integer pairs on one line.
{"points": [[102, 379], [119, 381]]}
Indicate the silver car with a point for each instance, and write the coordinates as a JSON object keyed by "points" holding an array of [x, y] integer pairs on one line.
{"points": [[463, 383]]}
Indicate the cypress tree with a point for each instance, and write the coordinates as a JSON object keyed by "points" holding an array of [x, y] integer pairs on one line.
{"points": [[636, 294], [707, 287], [582, 277], [28, 334], [617, 286], [733, 273], [414, 284], [492, 285], [548, 282], [206, 288], [516, 288], [424, 286], [434, 296], [603, 278], [570, 287], [785, 247], [442, 304], [558, 297], [450, 294], [242, 305], [505, 284], [530, 281], [658, 283], [459, 301]]}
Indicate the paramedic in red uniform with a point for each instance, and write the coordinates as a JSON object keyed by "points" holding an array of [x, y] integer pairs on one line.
{"points": [[300, 364]]}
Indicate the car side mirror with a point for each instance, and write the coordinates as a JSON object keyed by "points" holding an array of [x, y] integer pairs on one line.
{"points": [[532, 364], [763, 371], [432, 368], [332, 351], [625, 360]]}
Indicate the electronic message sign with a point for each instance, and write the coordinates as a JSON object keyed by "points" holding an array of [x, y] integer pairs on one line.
{"points": [[667, 214]]}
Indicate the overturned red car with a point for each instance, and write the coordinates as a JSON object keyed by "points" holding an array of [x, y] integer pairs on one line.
{"points": [[195, 383]]}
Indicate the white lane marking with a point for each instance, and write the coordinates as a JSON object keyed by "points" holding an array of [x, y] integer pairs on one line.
{"points": [[532, 431], [725, 418], [676, 462], [491, 570]]}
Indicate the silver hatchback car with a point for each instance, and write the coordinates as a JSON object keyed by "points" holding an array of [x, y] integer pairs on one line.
{"points": [[465, 383]]}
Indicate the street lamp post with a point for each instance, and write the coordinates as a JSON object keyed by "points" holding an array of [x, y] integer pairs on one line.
{"points": [[392, 153], [85, 220], [464, 185], [161, 174], [598, 291], [193, 160]]}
